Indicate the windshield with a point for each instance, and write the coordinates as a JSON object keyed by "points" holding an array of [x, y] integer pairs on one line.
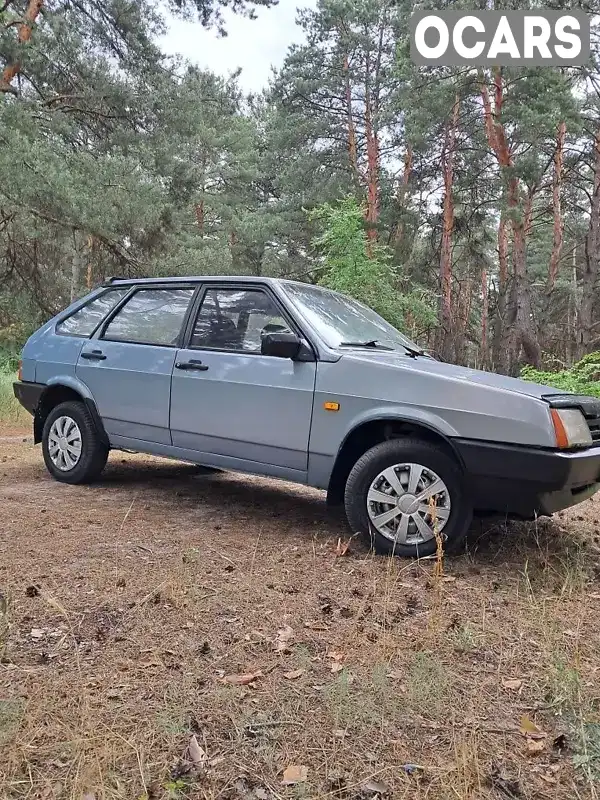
{"points": [[340, 320]]}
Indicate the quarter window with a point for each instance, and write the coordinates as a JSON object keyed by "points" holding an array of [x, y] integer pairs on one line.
{"points": [[236, 319], [85, 321], [150, 316]]}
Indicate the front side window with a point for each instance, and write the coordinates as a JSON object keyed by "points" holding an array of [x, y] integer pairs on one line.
{"points": [[85, 321], [150, 316], [342, 321], [236, 319]]}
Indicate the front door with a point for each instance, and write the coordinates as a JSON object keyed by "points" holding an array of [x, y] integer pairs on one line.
{"points": [[128, 366], [228, 399]]}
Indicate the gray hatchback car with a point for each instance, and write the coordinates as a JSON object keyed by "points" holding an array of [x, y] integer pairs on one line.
{"points": [[298, 382]]}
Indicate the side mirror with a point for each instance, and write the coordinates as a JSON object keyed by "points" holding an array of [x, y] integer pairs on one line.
{"points": [[281, 345]]}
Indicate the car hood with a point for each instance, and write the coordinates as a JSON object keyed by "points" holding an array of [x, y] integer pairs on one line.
{"points": [[429, 366]]}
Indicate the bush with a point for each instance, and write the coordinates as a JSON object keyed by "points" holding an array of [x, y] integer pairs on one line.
{"points": [[582, 378], [363, 270]]}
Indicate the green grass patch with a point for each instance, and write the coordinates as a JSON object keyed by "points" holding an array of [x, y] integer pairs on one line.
{"points": [[11, 411], [582, 378]]}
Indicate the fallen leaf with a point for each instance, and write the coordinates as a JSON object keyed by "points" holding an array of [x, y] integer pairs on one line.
{"points": [[295, 774], [335, 655], [284, 635], [241, 680], [448, 579], [89, 796], [316, 626], [535, 745], [339, 733], [261, 793], [548, 778], [37, 633], [337, 667], [514, 684], [295, 673], [196, 754], [374, 787], [530, 729], [342, 548]]}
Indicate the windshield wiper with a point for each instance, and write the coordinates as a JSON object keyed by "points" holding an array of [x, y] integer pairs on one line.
{"points": [[370, 343], [412, 352], [374, 343]]}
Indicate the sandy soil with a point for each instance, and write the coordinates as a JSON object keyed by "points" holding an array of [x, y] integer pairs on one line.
{"points": [[130, 609]]}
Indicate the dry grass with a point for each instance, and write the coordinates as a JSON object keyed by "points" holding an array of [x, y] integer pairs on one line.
{"points": [[129, 602], [10, 409]]}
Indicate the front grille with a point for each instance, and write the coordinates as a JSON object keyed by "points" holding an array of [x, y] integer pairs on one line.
{"points": [[594, 426]]}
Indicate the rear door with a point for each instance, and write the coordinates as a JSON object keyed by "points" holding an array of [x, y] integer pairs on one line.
{"points": [[128, 365], [230, 400]]}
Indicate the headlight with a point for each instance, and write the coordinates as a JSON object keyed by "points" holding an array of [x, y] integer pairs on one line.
{"points": [[570, 428]]}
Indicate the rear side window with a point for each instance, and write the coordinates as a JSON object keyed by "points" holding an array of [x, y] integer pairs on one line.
{"points": [[85, 321], [150, 316]]}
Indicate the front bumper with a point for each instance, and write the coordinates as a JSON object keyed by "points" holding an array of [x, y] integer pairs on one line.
{"points": [[28, 394], [526, 481]]}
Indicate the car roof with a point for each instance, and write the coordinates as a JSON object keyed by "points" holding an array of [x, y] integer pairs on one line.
{"points": [[197, 279]]}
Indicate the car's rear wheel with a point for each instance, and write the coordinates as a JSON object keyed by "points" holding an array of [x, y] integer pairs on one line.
{"points": [[73, 451], [404, 495]]}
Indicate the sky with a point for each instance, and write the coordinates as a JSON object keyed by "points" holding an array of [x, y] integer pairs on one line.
{"points": [[254, 45]]}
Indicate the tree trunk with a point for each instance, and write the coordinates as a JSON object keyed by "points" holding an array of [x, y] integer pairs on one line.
{"points": [[372, 141], [518, 331], [24, 35], [76, 263], [398, 234], [591, 264], [89, 279], [571, 337], [483, 356], [352, 149], [557, 237], [500, 315], [446, 345]]}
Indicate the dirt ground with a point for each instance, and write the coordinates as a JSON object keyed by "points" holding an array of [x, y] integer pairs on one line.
{"points": [[170, 634]]}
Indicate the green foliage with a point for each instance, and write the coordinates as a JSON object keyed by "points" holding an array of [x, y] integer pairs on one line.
{"points": [[582, 378], [362, 269]]}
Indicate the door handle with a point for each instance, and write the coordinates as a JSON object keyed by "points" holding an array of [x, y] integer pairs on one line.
{"points": [[94, 355], [192, 364]]}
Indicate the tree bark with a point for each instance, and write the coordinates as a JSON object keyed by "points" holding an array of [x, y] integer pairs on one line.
{"points": [[446, 345], [557, 237], [352, 149], [585, 312], [11, 71], [518, 334], [372, 215], [402, 194], [483, 357], [76, 263]]}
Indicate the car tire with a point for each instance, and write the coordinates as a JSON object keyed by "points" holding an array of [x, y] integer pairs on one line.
{"points": [[405, 456], [79, 455]]}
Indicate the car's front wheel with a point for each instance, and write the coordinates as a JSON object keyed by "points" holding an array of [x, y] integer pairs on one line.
{"points": [[404, 495], [73, 451]]}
